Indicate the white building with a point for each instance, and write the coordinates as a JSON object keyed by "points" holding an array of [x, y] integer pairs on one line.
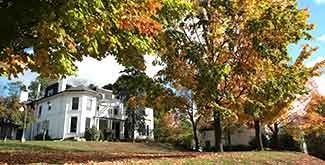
{"points": [[66, 112], [241, 135]]}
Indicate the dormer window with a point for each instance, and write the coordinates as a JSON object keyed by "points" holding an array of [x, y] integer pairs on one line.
{"points": [[50, 92]]}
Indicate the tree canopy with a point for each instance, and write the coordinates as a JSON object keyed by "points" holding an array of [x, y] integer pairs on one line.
{"points": [[231, 53], [62, 32]]}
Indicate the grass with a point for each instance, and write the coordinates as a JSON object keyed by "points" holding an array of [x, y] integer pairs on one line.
{"points": [[73, 146], [137, 153]]}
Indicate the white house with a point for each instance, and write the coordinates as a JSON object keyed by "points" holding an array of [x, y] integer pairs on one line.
{"points": [[240, 136], [66, 112]]}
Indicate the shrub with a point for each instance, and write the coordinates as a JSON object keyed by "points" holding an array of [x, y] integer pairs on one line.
{"points": [[92, 134], [316, 145], [106, 134], [253, 144], [286, 142]]}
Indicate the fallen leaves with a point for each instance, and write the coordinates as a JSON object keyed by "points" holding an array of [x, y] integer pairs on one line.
{"points": [[25, 157]]}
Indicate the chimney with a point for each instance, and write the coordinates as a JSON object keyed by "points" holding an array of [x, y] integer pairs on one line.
{"points": [[62, 85]]}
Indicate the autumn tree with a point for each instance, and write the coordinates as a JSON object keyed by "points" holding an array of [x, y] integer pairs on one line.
{"points": [[302, 88], [134, 88], [221, 47], [190, 111], [10, 111], [307, 118], [271, 96], [64, 31]]}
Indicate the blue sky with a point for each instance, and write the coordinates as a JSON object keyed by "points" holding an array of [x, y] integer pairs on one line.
{"points": [[317, 11], [93, 70]]}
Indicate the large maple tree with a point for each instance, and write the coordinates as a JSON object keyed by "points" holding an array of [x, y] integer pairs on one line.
{"points": [[222, 49]]}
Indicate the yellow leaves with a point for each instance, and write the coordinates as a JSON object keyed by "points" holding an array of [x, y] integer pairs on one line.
{"points": [[306, 52], [30, 61]]}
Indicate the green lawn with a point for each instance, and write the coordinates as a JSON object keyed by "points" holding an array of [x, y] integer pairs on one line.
{"points": [[73, 146], [137, 153]]}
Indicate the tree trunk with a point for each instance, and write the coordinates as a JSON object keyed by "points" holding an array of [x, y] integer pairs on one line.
{"points": [[258, 135], [229, 137], [276, 136], [217, 131], [44, 135], [133, 126], [196, 140], [303, 145]]}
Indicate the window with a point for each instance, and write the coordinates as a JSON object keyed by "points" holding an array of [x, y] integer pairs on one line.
{"points": [[87, 123], [73, 124], [49, 106], [75, 103], [39, 111], [89, 104], [115, 110]]}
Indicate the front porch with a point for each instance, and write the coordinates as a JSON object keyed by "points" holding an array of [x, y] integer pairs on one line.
{"points": [[111, 128]]}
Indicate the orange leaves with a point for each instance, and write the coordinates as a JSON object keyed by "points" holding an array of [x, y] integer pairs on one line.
{"points": [[153, 6], [138, 17], [137, 101], [311, 118], [13, 62], [143, 24]]}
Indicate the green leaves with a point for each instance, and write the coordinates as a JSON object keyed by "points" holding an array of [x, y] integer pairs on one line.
{"points": [[82, 28]]}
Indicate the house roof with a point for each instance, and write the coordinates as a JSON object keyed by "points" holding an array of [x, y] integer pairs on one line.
{"points": [[80, 88]]}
